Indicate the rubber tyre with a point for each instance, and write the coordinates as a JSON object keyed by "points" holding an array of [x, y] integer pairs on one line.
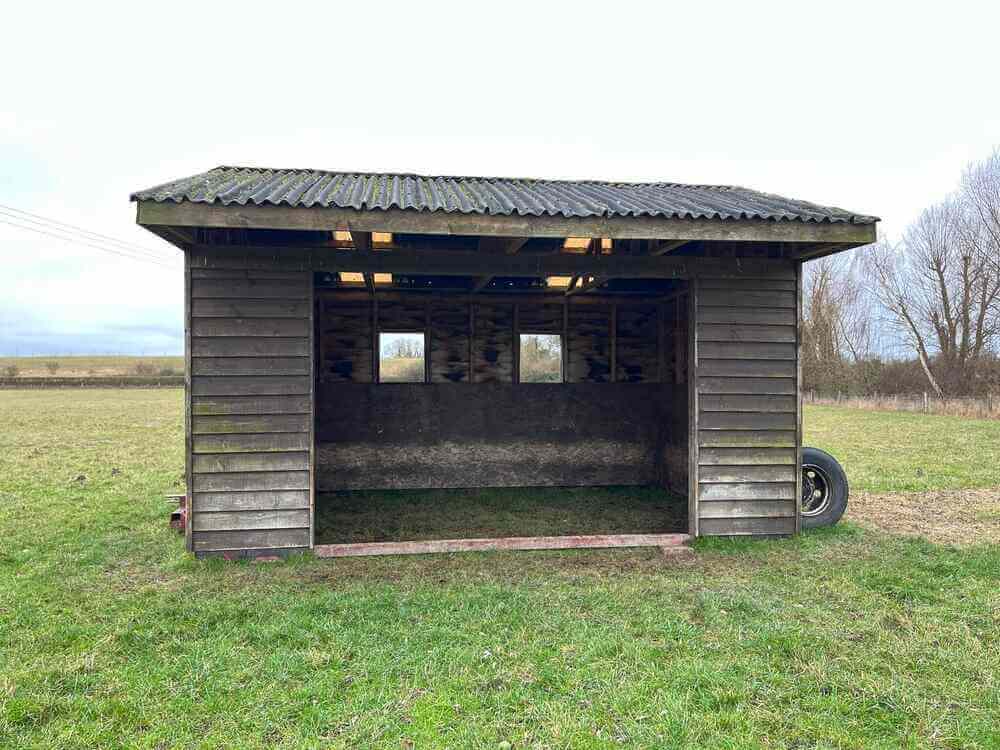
{"points": [[837, 488]]}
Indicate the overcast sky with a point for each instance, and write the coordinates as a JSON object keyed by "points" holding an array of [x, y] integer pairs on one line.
{"points": [[874, 107]]}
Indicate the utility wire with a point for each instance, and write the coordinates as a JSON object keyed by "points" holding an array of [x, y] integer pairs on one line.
{"points": [[72, 236], [84, 241], [65, 227]]}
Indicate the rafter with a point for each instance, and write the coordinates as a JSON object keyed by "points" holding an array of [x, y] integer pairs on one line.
{"points": [[362, 241], [663, 247], [594, 283]]}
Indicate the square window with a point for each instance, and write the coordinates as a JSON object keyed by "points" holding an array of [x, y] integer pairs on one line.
{"points": [[541, 358], [401, 358]]}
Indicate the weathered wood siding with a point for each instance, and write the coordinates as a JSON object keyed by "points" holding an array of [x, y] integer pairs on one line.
{"points": [[249, 406], [412, 436], [472, 424], [746, 349]]}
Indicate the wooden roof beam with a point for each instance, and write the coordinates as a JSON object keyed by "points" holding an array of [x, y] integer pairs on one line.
{"points": [[462, 263], [189, 214]]}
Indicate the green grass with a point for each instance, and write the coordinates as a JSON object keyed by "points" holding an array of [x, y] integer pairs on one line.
{"points": [[110, 636], [895, 451], [405, 515]]}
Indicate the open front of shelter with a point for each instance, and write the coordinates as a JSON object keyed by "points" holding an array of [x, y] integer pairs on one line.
{"points": [[352, 332]]}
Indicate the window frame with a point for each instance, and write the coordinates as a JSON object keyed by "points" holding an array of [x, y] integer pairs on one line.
{"points": [[562, 358], [425, 376]]}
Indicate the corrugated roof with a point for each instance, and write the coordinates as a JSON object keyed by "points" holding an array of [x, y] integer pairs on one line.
{"points": [[488, 195]]}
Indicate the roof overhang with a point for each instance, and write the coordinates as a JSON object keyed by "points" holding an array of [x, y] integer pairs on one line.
{"points": [[833, 236]]}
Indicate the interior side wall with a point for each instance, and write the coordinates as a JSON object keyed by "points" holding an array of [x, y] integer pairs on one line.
{"points": [[473, 425], [748, 409], [676, 421], [249, 406]]}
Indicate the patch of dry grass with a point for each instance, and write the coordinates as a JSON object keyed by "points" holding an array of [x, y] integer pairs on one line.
{"points": [[942, 516]]}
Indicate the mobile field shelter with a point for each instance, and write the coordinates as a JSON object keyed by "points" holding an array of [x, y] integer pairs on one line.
{"points": [[677, 309]]}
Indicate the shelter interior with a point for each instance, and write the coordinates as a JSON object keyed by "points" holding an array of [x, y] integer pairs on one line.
{"points": [[613, 410]]}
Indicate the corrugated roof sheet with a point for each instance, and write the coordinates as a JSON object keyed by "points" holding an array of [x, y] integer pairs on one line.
{"points": [[488, 195]]}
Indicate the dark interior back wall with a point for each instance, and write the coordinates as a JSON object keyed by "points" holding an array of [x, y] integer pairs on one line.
{"points": [[410, 435], [472, 426]]}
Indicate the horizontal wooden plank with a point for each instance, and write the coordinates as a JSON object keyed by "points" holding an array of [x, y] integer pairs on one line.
{"points": [[746, 438], [744, 350], [729, 298], [238, 260], [743, 402], [251, 519], [739, 332], [252, 480], [281, 385], [249, 423], [746, 526], [245, 308], [451, 262], [208, 405], [747, 315], [745, 420], [287, 289], [746, 456], [741, 286], [727, 474], [265, 500], [243, 273], [219, 463], [748, 386], [220, 541], [250, 443], [250, 366], [747, 491], [597, 541], [747, 509], [747, 368], [252, 327], [250, 347]]}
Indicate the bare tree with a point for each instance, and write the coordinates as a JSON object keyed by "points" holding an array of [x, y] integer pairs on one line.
{"points": [[941, 285], [836, 322], [981, 195]]}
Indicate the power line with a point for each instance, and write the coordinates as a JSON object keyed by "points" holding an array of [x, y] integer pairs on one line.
{"points": [[84, 241], [61, 226]]}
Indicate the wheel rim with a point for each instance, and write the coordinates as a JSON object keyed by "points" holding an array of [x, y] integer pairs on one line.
{"points": [[815, 490]]}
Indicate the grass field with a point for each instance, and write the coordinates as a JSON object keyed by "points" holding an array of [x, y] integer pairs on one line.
{"points": [[91, 366], [896, 451], [112, 637]]}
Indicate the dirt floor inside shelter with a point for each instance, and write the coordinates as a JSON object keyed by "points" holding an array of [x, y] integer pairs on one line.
{"points": [[417, 515], [944, 516]]}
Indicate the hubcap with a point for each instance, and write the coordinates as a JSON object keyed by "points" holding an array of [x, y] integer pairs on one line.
{"points": [[815, 490]]}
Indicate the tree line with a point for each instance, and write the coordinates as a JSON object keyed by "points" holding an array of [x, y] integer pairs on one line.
{"points": [[918, 314]]}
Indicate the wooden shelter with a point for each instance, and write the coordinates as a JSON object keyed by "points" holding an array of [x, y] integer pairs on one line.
{"points": [[677, 309]]}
